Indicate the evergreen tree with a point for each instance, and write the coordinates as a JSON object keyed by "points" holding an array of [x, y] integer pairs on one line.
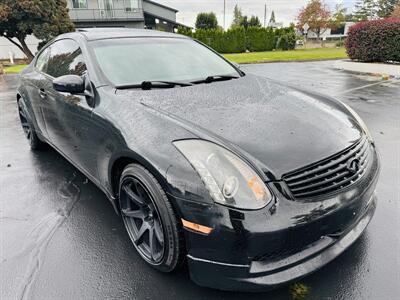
{"points": [[244, 22], [272, 19], [206, 21], [237, 16], [386, 7], [254, 21]]}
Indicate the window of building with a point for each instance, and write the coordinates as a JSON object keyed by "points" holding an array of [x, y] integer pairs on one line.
{"points": [[131, 5], [79, 4]]}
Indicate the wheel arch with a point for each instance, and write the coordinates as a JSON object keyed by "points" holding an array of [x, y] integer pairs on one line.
{"points": [[118, 164]]}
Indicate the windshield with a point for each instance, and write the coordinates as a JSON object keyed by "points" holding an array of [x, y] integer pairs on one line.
{"points": [[135, 60]]}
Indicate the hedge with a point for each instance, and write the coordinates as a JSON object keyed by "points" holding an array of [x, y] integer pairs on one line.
{"points": [[239, 39], [374, 41]]}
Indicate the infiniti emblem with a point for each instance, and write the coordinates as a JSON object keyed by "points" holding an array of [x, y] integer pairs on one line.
{"points": [[353, 165]]}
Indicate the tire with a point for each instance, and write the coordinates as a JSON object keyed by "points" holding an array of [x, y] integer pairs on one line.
{"points": [[29, 130], [147, 213]]}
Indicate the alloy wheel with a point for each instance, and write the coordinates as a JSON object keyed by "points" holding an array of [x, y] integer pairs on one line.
{"points": [[142, 220]]}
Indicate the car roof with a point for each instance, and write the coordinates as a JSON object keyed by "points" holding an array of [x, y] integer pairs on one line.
{"points": [[99, 33]]}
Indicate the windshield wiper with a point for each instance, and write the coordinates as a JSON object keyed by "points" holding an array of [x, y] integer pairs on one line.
{"points": [[148, 85], [212, 78]]}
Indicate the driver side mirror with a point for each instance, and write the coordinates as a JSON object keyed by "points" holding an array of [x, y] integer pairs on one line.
{"points": [[73, 84]]}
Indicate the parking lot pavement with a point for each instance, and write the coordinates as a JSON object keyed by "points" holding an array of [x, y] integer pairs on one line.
{"points": [[60, 238]]}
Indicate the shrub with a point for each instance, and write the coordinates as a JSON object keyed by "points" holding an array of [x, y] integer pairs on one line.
{"points": [[260, 39], [374, 41], [239, 39], [231, 41], [339, 43], [291, 38]]}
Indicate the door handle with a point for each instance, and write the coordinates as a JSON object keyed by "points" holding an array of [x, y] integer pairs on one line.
{"points": [[42, 93]]}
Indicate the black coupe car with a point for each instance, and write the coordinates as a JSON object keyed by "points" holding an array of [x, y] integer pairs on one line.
{"points": [[251, 183]]}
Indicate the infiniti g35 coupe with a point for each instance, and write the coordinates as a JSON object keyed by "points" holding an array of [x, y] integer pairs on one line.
{"points": [[251, 183]]}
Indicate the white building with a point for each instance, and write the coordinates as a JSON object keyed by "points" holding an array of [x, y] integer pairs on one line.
{"points": [[329, 33]]}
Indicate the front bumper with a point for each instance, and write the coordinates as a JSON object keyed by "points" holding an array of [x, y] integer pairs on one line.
{"points": [[284, 241], [261, 275]]}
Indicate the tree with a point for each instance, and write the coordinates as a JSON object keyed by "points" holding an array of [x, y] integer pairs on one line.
{"points": [[237, 16], [44, 19], [244, 22], [339, 15], [254, 21], [396, 12], [316, 15], [386, 7], [365, 10], [206, 21], [374, 9], [272, 19]]}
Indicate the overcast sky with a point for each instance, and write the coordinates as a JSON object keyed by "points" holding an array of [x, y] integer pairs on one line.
{"points": [[285, 10]]}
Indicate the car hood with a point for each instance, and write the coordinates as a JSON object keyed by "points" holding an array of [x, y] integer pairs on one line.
{"points": [[276, 127]]}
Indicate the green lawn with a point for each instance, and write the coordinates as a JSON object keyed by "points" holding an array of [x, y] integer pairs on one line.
{"points": [[292, 55], [14, 69]]}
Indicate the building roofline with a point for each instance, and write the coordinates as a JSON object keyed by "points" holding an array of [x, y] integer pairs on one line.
{"points": [[161, 5], [165, 19]]}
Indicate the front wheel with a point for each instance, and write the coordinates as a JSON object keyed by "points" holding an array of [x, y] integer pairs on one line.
{"points": [[149, 219]]}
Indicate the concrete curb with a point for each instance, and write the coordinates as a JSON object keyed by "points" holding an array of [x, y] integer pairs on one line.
{"points": [[369, 68]]}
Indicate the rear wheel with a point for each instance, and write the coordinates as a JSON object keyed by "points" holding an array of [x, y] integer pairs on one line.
{"points": [[29, 131], [149, 219]]}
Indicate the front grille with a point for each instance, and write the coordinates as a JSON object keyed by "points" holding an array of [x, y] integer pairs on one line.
{"points": [[332, 174]]}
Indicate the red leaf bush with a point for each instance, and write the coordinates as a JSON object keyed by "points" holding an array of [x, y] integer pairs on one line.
{"points": [[374, 41]]}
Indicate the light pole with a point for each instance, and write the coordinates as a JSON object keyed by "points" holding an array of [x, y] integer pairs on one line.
{"points": [[224, 14], [265, 14]]}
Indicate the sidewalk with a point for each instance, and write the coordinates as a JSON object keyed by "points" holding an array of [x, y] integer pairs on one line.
{"points": [[370, 68]]}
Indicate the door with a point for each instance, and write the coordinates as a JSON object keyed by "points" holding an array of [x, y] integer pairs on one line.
{"points": [[68, 117], [34, 88]]}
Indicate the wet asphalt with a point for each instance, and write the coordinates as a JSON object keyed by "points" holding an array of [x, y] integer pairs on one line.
{"points": [[60, 238]]}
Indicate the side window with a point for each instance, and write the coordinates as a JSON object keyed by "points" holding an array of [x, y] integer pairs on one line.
{"points": [[41, 62], [65, 59], [79, 3]]}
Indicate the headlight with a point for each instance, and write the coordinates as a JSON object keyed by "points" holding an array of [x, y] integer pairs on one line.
{"points": [[360, 121], [229, 180]]}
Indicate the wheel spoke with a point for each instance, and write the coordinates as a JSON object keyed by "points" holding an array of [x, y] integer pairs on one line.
{"points": [[139, 190], [151, 242], [140, 234], [158, 232], [138, 214], [135, 198]]}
